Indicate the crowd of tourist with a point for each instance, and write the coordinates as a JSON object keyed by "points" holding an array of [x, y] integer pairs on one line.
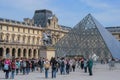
{"points": [[13, 67]]}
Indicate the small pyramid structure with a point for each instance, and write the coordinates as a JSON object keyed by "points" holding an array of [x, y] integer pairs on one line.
{"points": [[87, 38]]}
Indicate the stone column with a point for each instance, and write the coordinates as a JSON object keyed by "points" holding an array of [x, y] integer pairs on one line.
{"points": [[16, 53], [36, 55], [10, 52], [21, 54], [31, 53], [26, 53]]}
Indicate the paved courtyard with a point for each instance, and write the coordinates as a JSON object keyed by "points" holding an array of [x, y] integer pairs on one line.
{"points": [[100, 72]]}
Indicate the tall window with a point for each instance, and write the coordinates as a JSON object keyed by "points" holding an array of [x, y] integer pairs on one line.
{"points": [[37, 40], [12, 28], [54, 24], [18, 38], [23, 30], [13, 38], [33, 41], [18, 29], [7, 38], [29, 40], [0, 36], [0, 27], [28, 30], [7, 28], [23, 39]]}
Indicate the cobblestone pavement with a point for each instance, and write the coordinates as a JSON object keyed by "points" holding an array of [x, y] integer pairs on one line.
{"points": [[100, 72]]}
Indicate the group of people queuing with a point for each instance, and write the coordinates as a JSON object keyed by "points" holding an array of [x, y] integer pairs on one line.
{"points": [[64, 65]]}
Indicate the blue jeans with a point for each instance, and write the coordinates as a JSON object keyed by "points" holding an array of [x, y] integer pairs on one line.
{"points": [[6, 74], [46, 73], [24, 70], [17, 71], [12, 74], [53, 73], [62, 70], [27, 70]]}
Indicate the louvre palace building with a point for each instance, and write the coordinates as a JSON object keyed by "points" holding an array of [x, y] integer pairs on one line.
{"points": [[24, 39]]}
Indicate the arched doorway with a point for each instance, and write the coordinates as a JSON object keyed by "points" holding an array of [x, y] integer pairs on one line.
{"points": [[1, 52], [13, 52], [29, 53], [34, 53], [24, 53], [19, 52], [7, 52], [38, 52]]}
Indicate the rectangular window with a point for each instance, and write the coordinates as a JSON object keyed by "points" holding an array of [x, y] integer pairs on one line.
{"points": [[28, 31], [12, 28], [33, 31], [18, 29], [7, 28], [0, 27], [7, 38], [0, 36], [23, 30]]}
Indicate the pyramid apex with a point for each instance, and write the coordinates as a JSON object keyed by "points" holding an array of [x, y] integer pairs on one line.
{"points": [[89, 14]]}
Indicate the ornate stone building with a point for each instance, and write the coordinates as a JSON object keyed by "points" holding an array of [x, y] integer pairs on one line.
{"points": [[24, 39], [115, 31]]}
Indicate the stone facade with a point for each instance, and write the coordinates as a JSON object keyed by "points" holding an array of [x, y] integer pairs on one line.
{"points": [[24, 39]]}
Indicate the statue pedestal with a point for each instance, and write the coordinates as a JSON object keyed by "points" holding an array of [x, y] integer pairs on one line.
{"points": [[47, 52]]}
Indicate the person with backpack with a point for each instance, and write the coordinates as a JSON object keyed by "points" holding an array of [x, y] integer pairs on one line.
{"points": [[23, 63], [47, 66], [17, 66], [90, 65], [6, 68], [67, 67], [62, 67], [13, 67], [54, 67]]}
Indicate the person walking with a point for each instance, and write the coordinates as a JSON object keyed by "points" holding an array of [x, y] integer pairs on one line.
{"points": [[90, 65]]}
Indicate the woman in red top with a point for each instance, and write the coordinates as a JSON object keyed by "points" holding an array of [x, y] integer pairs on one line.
{"points": [[7, 64]]}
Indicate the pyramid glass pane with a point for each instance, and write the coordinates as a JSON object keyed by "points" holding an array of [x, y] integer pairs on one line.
{"points": [[88, 37]]}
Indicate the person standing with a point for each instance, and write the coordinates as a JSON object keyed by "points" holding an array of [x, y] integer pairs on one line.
{"points": [[13, 67], [47, 66], [54, 67], [17, 66], [67, 67], [90, 65], [7, 63], [85, 65]]}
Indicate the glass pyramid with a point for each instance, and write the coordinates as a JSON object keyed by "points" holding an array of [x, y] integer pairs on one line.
{"points": [[87, 38]]}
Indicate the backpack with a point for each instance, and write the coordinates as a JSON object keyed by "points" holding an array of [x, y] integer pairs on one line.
{"points": [[23, 64], [6, 67], [62, 64], [47, 65]]}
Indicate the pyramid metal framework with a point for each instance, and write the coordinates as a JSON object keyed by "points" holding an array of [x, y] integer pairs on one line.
{"points": [[88, 37]]}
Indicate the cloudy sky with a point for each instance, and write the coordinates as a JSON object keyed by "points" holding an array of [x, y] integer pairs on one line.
{"points": [[69, 12]]}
